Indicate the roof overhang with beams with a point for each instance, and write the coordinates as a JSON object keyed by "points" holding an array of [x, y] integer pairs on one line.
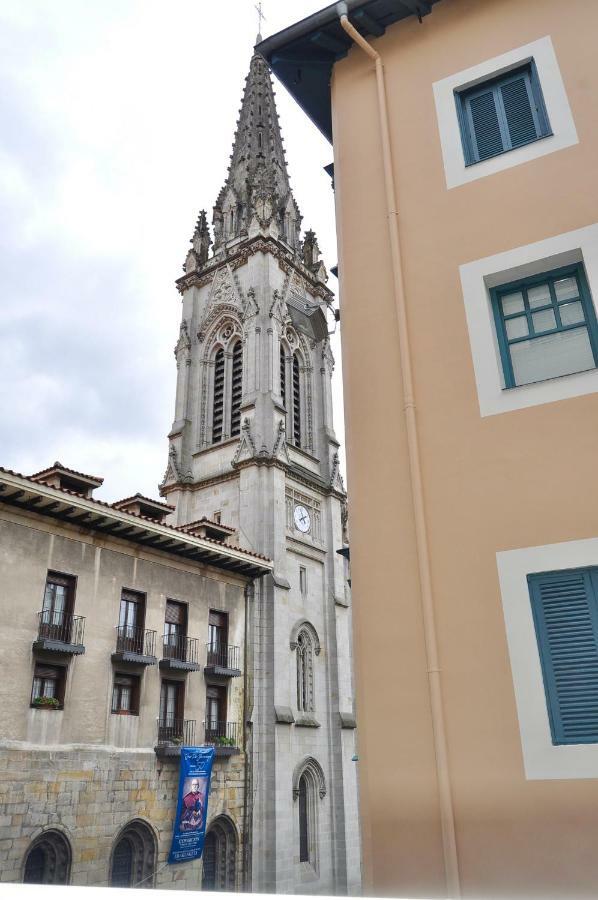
{"points": [[302, 56], [21, 493]]}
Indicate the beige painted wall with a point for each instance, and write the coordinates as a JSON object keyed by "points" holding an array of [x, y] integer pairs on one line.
{"points": [[518, 479]]}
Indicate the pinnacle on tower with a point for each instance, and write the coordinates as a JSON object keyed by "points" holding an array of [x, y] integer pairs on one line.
{"points": [[256, 195]]}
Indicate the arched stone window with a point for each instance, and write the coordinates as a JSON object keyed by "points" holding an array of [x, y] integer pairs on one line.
{"points": [[133, 857], [220, 856], [236, 389], [218, 397], [309, 788], [304, 640], [48, 860], [283, 375], [296, 416]]}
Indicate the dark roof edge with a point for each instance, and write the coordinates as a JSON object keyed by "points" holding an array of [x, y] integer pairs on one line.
{"points": [[306, 26]]}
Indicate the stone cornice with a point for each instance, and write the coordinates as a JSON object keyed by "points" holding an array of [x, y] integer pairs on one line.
{"points": [[240, 255]]}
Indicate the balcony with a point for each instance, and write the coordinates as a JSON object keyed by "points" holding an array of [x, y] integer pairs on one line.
{"points": [[222, 659], [180, 653], [224, 736], [174, 734], [135, 645], [58, 632]]}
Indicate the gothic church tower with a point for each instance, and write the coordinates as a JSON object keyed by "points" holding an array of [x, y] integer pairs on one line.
{"points": [[252, 446]]}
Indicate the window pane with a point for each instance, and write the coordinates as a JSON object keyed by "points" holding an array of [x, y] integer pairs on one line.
{"points": [[556, 354], [49, 688], [544, 321], [517, 327], [571, 313], [37, 687], [539, 295], [125, 698], [114, 699], [512, 303], [566, 288]]}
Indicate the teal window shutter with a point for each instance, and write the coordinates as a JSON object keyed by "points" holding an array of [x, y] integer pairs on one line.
{"points": [[565, 610], [501, 114]]}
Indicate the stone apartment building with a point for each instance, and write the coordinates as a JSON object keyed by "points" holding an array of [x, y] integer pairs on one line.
{"points": [[465, 141], [138, 626], [123, 639]]}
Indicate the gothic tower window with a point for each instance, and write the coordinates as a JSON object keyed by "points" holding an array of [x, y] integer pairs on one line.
{"points": [[303, 819], [236, 389], [220, 857], [309, 788], [283, 376], [48, 860], [133, 857], [218, 401], [296, 402], [305, 671]]}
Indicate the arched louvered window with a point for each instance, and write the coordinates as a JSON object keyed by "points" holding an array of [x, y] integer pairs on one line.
{"points": [[220, 857], [48, 860], [133, 857], [305, 671], [218, 402], [236, 389], [296, 402], [283, 376]]}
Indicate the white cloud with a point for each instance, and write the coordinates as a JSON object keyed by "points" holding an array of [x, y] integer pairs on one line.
{"points": [[118, 121]]}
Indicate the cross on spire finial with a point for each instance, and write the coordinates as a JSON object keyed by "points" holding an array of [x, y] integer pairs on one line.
{"points": [[260, 17]]}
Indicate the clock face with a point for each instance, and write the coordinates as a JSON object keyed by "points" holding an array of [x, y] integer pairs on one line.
{"points": [[302, 519]]}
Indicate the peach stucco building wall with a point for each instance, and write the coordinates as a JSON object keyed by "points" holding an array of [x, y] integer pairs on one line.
{"points": [[494, 480]]}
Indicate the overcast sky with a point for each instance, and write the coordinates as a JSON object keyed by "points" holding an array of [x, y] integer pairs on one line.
{"points": [[117, 124]]}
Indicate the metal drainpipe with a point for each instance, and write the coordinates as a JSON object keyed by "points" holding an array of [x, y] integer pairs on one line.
{"points": [[449, 842]]}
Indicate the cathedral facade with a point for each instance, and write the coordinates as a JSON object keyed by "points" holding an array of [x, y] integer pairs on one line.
{"points": [[252, 447]]}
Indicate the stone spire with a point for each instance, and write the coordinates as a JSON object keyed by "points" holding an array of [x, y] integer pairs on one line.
{"points": [[257, 196]]}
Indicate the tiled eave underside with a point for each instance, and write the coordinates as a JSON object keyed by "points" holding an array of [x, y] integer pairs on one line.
{"points": [[76, 512]]}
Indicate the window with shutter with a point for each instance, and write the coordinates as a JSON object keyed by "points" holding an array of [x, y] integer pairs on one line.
{"points": [[218, 401], [236, 389], [546, 326], [502, 114], [296, 402], [565, 610]]}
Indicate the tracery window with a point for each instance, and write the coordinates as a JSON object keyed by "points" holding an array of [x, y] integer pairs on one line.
{"points": [[236, 389], [283, 376], [309, 789], [305, 670], [227, 386], [296, 417], [218, 401], [48, 860], [133, 857], [220, 857]]}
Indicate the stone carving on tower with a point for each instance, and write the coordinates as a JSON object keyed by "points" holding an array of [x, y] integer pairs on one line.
{"points": [[252, 445]]}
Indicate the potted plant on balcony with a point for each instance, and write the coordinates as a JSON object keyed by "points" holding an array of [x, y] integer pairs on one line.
{"points": [[222, 741], [46, 702]]}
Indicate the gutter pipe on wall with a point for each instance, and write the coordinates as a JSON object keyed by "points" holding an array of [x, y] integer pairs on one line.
{"points": [[449, 842]]}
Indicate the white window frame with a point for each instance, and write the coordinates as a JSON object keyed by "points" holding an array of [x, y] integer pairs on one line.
{"points": [[479, 276], [542, 759], [560, 117]]}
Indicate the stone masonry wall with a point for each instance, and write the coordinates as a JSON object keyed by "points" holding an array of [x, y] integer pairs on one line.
{"points": [[91, 795]]}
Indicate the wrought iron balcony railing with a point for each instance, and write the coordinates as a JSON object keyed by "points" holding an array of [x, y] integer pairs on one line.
{"points": [[178, 732], [222, 734], [180, 652], [224, 656], [57, 628], [136, 641]]}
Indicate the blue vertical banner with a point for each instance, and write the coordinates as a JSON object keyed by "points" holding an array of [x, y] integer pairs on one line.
{"points": [[189, 829]]}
